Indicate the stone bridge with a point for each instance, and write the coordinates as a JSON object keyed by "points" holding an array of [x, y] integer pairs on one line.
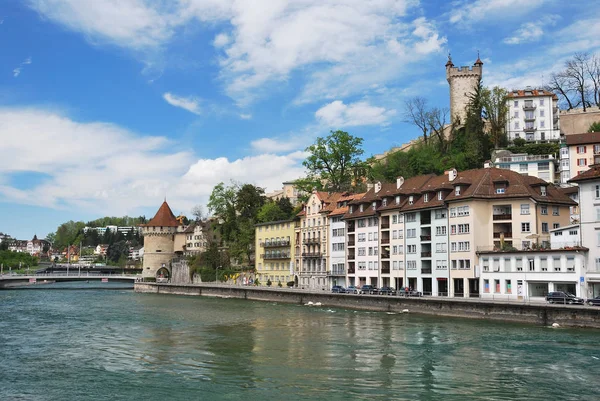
{"points": [[13, 280]]}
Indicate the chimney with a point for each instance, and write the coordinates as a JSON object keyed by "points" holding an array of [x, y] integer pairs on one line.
{"points": [[451, 174], [399, 182]]}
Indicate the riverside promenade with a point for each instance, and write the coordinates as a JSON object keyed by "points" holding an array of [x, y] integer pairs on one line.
{"points": [[474, 308]]}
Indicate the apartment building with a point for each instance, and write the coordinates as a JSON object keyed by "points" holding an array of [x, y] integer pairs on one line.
{"points": [[540, 166], [311, 241], [274, 252], [337, 246], [589, 208], [363, 241], [533, 115], [583, 151]]}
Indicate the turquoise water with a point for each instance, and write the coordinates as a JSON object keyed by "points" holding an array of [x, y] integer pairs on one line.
{"points": [[118, 345]]}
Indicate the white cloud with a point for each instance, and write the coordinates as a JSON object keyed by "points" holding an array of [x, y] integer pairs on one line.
{"points": [[337, 114], [479, 10], [101, 168], [245, 116], [531, 31], [190, 103], [344, 46], [17, 71]]}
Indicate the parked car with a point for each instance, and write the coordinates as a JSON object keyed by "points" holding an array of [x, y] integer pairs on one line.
{"points": [[338, 289], [368, 289], [387, 291], [561, 297], [594, 301], [351, 290], [403, 292]]}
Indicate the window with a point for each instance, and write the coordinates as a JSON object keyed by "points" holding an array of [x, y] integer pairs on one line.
{"points": [[523, 167], [543, 190], [516, 125], [453, 229], [525, 227], [411, 233], [544, 227], [544, 209], [464, 246], [581, 149], [596, 149], [573, 232], [370, 236], [440, 214], [453, 247], [531, 265], [361, 208], [426, 198], [524, 209], [397, 199], [542, 124], [441, 265], [362, 251], [374, 205], [555, 225], [462, 211], [362, 237], [362, 223], [395, 250], [338, 246], [411, 249], [411, 264], [516, 103], [542, 113], [457, 190], [411, 200], [441, 248], [597, 192], [384, 202], [394, 219], [440, 195], [370, 251], [463, 228], [370, 265], [500, 190], [395, 234], [582, 162], [411, 217], [452, 212], [440, 230]]}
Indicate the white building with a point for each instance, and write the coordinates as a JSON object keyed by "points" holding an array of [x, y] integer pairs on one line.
{"points": [[363, 241], [533, 115], [540, 166], [136, 253], [589, 209]]}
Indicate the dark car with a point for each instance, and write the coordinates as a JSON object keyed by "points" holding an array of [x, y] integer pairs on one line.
{"points": [[338, 289], [387, 291], [594, 301], [368, 289], [561, 297], [351, 290]]}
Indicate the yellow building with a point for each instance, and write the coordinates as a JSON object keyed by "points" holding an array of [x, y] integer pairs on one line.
{"points": [[275, 252]]}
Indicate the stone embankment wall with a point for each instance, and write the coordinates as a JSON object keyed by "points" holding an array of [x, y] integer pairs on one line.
{"points": [[543, 314]]}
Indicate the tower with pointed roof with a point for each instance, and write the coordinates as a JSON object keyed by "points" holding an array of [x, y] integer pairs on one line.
{"points": [[160, 235], [462, 81]]}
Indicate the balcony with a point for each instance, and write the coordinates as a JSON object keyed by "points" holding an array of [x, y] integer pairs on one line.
{"points": [[275, 256], [312, 240], [529, 106], [425, 270], [504, 216], [350, 228], [351, 243], [385, 255], [351, 256], [311, 254], [426, 254], [385, 270], [425, 237], [385, 226], [275, 244], [336, 272], [385, 240], [351, 270], [529, 129], [529, 118], [506, 235]]}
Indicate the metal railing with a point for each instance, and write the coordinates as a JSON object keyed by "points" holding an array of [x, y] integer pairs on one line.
{"points": [[503, 216]]}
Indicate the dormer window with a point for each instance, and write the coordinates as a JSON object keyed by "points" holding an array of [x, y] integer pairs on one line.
{"points": [[351, 209], [426, 198], [374, 205], [440, 195], [411, 200], [457, 190], [543, 190], [384, 202], [361, 208], [398, 199]]}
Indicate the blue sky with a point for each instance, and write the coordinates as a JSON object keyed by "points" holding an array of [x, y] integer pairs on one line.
{"points": [[108, 106]]}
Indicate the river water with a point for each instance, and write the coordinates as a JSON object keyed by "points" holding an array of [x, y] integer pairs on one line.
{"points": [[118, 345]]}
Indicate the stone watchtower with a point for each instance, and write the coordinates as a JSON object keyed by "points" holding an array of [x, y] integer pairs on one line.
{"points": [[159, 242], [462, 81]]}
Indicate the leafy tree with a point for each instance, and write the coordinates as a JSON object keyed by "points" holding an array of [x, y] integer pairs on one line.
{"points": [[249, 200], [270, 211], [495, 111], [286, 207], [594, 127], [307, 185], [335, 160], [4, 245], [116, 250]]}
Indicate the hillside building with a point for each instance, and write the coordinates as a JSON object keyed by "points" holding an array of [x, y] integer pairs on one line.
{"points": [[533, 115]]}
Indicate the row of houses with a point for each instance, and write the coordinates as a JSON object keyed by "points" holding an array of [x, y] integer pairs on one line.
{"points": [[487, 232]]}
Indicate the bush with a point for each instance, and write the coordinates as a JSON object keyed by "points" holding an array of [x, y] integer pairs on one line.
{"points": [[149, 279], [256, 282], [290, 283], [279, 284], [269, 283]]}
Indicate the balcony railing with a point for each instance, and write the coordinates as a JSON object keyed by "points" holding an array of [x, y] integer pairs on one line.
{"points": [[351, 270], [425, 237], [529, 129], [425, 222], [275, 256], [385, 226], [275, 244], [504, 216], [385, 271], [351, 256], [351, 228], [351, 243], [506, 235], [312, 240], [385, 240], [336, 272], [425, 270], [385, 256], [571, 245], [312, 254], [426, 254], [529, 106]]}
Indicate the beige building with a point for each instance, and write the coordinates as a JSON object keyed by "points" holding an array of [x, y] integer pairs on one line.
{"points": [[274, 250], [161, 241], [288, 190], [462, 81]]}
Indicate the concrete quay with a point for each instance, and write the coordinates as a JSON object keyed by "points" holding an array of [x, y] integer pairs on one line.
{"points": [[532, 313]]}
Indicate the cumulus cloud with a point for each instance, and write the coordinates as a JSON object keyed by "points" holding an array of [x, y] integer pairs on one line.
{"points": [[530, 31], [343, 46], [338, 114], [106, 169], [190, 103]]}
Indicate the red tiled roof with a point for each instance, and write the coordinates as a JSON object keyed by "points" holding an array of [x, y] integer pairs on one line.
{"points": [[531, 93], [582, 139], [592, 174], [340, 210], [163, 218]]}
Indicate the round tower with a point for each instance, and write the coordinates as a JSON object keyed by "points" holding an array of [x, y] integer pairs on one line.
{"points": [[159, 242], [462, 81]]}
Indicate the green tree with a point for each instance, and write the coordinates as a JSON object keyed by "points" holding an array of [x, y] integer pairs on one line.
{"points": [[249, 200], [594, 127], [335, 160], [117, 250], [495, 112], [286, 207], [271, 211]]}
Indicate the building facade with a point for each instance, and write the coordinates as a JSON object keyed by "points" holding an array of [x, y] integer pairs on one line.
{"points": [[584, 151], [540, 166], [275, 252], [533, 115]]}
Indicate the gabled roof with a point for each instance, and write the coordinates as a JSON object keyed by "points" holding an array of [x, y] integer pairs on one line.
{"points": [[592, 174], [582, 139], [163, 218], [340, 210]]}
